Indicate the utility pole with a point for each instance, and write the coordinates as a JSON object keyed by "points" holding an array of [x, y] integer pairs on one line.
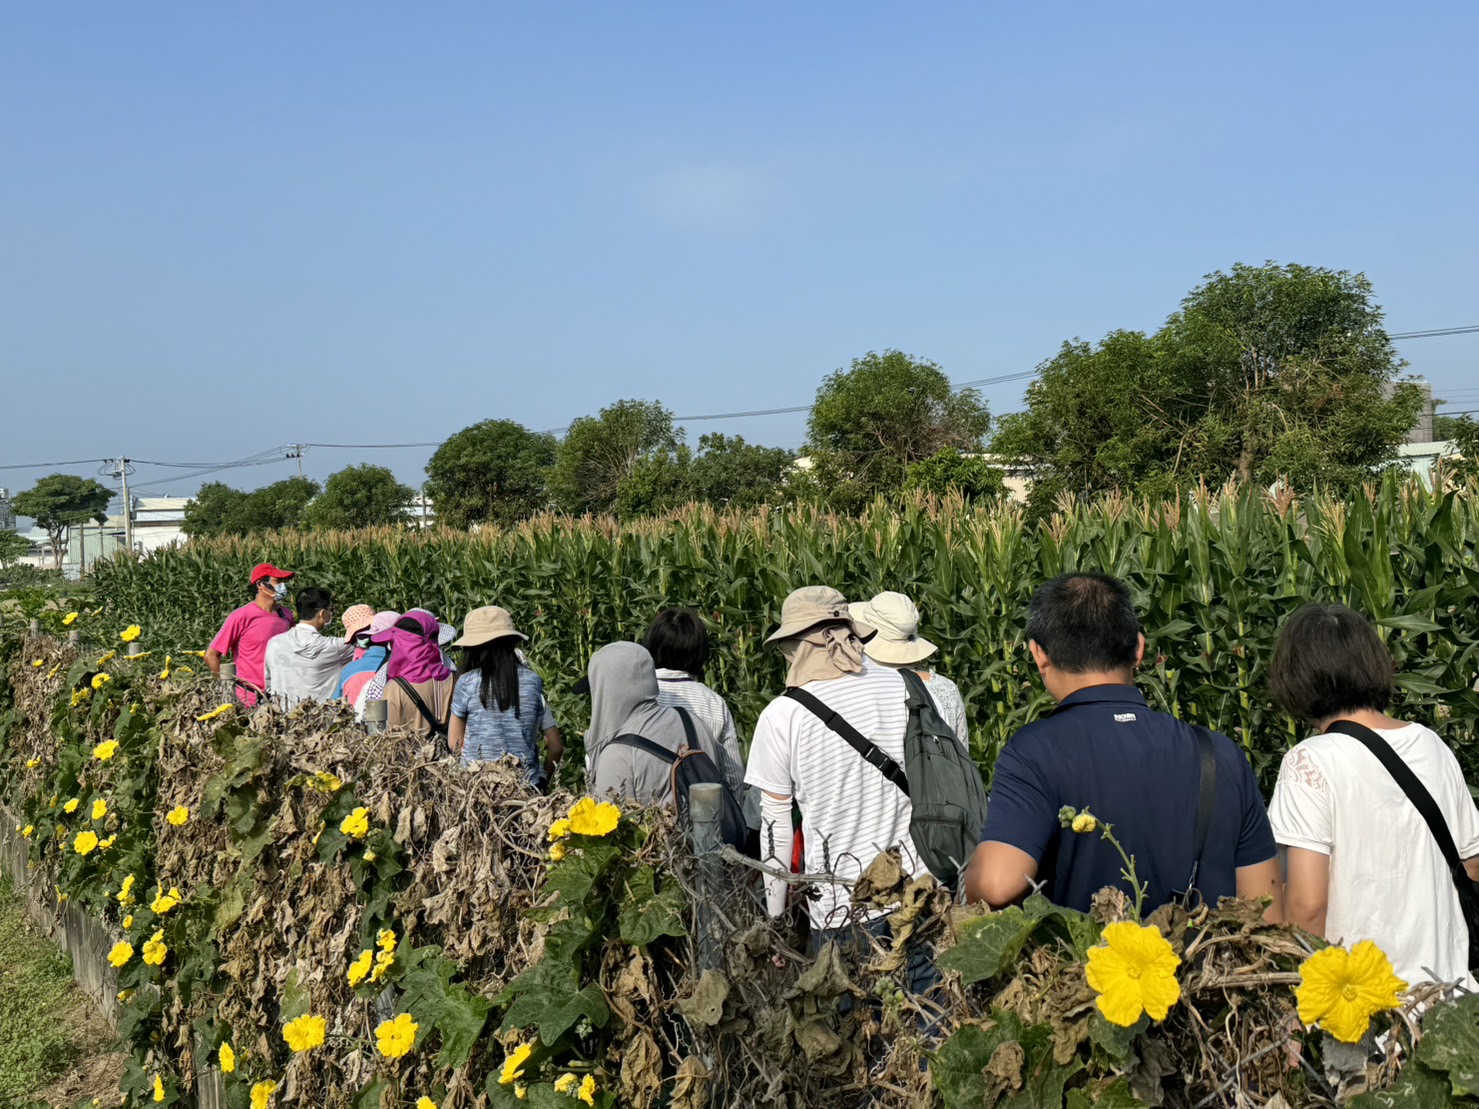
{"points": [[128, 508], [295, 450]]}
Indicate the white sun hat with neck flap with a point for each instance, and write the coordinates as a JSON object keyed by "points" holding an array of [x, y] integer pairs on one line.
{"points": [[898, 642]]}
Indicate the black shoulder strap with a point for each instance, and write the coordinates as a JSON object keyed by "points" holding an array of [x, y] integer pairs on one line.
{"points": [[860, 743], [689, 734], [642, 743], [1206, 797], [1416, 792], [437, 727]]}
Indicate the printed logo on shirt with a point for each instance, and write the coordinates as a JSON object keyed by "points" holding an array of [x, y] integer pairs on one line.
{"points": [[1124, 718]]}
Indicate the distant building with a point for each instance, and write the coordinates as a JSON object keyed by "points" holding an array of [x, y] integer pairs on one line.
{"points": [[1420, 459]]}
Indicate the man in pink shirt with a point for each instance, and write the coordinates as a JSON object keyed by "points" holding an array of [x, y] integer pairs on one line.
{"points": [[246, 631]]}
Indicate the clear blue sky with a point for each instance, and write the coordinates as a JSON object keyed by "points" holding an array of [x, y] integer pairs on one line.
{"points": [[225, 227]]}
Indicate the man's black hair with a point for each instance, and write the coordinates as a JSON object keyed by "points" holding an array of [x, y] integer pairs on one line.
{"points": [[1085, 623], [312, 601], [678, 640], [1328, 661]]}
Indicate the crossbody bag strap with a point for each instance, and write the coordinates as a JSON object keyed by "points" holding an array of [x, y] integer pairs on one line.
{"points": [[642, 743], [437, 726], [1206, 799], [871, 752]]}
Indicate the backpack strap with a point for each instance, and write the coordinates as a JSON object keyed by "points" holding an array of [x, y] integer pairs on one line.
{"points": [[437, 727], [642, 743], [689, 734], [1423, 801], [871, 752], [1206, 799]]}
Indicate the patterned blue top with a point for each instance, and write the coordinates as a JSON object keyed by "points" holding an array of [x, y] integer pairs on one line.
{"points": [[492, 734]]}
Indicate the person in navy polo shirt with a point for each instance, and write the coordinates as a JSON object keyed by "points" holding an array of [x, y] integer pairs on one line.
{"points": [[1104, 749]]}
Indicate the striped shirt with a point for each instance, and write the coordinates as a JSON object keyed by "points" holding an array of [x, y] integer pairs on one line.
{"points": [[678, 689], [849, 811]]}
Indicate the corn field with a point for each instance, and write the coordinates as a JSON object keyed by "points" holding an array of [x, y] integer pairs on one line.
{"points": [[1213, 575]]}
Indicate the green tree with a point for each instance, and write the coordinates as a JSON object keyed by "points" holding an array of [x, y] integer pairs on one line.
{"points": [[599, 452], [221, 510], [725, 471], [870, 422], [1265, 373], [1463, 465], [60, 501], [949, 471], [362, 496], [13, 548], [496, 471]]}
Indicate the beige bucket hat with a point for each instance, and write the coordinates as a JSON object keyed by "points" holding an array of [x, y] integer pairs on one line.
{"points": [[896, 618], [486, 624], [805, 608]]}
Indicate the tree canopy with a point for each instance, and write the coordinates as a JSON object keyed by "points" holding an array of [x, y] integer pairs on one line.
{"points": [[599, 452], [889, 410], [496, 471], [219, 509], [1265, 373], [362, 496], [60, 501], [725, 471]]}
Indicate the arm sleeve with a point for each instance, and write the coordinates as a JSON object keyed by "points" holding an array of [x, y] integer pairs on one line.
{"points": [[961, 725], [1022, 813], [1299, 814], [461, 699], [1255, 836], [776, 840]]}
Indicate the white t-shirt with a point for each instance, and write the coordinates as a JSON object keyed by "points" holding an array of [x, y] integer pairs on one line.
{"points": [[1388, 881], [678, 689], [849, 811]]}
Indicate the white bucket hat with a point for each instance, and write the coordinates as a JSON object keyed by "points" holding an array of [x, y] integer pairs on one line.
{"points": [[896, 619]]}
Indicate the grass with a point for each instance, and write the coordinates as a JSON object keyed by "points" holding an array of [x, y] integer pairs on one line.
{"points": [[38, 1004]]}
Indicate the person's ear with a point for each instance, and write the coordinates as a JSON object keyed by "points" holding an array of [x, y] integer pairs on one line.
{"points": [[1140, 651], [1039, 656]]}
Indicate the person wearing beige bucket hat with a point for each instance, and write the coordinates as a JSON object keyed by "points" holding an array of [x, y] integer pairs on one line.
{"points": [[498, 704], [898, 644]]}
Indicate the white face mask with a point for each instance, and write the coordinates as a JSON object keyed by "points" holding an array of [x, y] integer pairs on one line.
{"points": [[280, 591]]}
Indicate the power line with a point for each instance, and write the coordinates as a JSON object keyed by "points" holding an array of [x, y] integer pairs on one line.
{"points": [[1434, 332], [44, 465]]}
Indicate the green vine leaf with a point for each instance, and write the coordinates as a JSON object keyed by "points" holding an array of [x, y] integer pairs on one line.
{"points": [[646, 914]]}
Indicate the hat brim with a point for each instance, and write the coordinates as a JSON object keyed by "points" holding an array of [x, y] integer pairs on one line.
{"points": [[477, 639], [898, 652], [350, 633]]}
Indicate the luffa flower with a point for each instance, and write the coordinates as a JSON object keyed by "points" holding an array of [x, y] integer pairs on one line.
{"points": [[1134, 972]]}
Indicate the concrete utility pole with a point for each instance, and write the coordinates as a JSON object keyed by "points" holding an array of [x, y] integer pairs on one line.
{"points": [[295, 450], [128, 508]]}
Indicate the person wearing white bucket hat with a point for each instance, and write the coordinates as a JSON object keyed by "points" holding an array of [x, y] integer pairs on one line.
{"points": [[498, 704], [898, 644]]}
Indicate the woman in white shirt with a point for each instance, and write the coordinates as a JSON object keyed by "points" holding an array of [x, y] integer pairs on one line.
{"points": [[1362, 863], [897, 643], [679, 645]]}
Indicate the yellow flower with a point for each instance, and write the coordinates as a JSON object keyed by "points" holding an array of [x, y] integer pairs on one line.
{"points": [[124, 995], [556, 851], [1133, 971], [385, 940], [357, 824], [122, 952], [108, 841], [383, 962], [165, 672], [126, 891], [1085, 822], [521, 1091], [80, 695], [393, 1038], [305, 1033], [100, 680], [69, 618], [38, 663], [128, 921], [164, 902], [262, 1094], [52, 672], [559, 829], [1341, 990], [130, 633], [424, 1102], [589, 817], [513, 1064], [107, 657], [27, 830], [360, 968], [226, 1057], [158, 1088], [565, 1083], [322, 779], [370, 856], [105, 750], [178, 815], [215, 712], [185, 669], [71, 806], [155, 949], [587, 1090], [32, 764], [85, 843], [99, 809]]}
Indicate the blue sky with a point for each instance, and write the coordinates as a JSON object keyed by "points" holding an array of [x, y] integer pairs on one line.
{"points": [[227, 227]]}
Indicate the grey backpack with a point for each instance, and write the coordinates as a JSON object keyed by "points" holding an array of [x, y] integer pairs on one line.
{"points": [[942, 783]]}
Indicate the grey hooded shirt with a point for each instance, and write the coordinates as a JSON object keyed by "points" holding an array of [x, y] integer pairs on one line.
{"points": [[303, 665], [624, 702]]}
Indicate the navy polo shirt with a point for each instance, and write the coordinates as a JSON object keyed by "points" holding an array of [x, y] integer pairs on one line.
{"points": [[1105, 750]]}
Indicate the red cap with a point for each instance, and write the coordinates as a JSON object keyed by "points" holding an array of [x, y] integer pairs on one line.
{"points": [[267, 570]]}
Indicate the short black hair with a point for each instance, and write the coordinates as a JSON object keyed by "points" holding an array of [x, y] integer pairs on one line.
{"points": [[1085, 623], [678, 640], [1329, 660], [312, 601]]}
